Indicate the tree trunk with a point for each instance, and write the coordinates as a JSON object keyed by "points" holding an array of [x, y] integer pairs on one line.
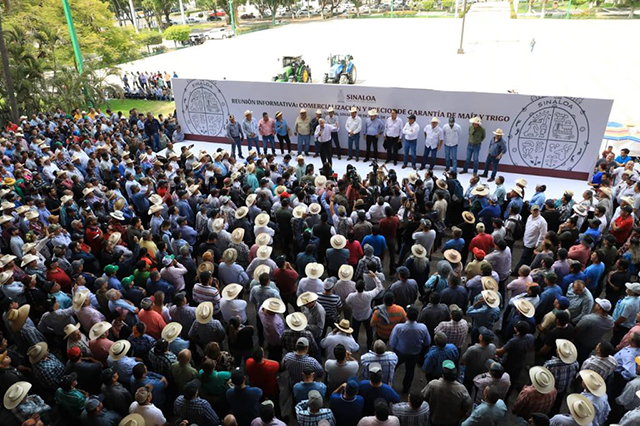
{"points": [[544, 9], [631, 11], [7, 74], [530, 6]]}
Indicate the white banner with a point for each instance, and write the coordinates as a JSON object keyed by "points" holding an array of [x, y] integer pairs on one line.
{"points": [[546, 135]]}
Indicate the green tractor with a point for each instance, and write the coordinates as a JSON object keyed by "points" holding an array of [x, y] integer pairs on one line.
{"points": [[294, 70]]}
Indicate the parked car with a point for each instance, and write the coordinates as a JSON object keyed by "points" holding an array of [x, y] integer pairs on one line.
{"points": [[218, 34], [285, 14], [214, 17], [247, 16], [192, 20]]}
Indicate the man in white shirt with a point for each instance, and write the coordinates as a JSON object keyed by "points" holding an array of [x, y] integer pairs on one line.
{"points": [[142, 405], [432, 143], [332, 119], [410, 132], [353, 126], [534, 232], [451, 134], [392, 133], [323, 136]]}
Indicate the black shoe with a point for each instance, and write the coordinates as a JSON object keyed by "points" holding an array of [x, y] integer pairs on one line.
{"points": [[241, 156], [339, 158], [491, 180], [462, 172], [404, 166], [484, 175], [348, 159]]}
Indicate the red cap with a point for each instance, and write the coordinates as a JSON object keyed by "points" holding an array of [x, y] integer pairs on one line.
{"points": [[479, 253], [284, 195], [74, 352]]}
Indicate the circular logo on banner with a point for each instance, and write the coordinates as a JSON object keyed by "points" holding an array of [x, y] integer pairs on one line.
{"points": [[549, 133], [204, 108]]}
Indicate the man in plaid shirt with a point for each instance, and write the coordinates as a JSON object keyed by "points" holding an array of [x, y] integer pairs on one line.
{"points": [[415, 412], [456, 329], [564, 368], [388, 361], [603, 361], [310, 411], [194, 409], [295, 362]]}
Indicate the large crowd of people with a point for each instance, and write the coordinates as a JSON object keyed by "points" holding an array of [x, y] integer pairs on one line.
{"points": [[143, 283], [152, 86]]}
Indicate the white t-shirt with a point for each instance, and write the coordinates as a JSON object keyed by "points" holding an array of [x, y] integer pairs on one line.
{"points": [[151, 414]]}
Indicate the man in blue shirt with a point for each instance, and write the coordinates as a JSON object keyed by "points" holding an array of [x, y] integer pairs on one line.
{"points": [[373, 389], [408, 340], [373, 129], [142, 377], [377, 241], [548, 296], [622, 159], [497, 148], [244, 401], [539, 197], [594, 271], [346, 404], [575, 273], [625, 312], [437, 354]]}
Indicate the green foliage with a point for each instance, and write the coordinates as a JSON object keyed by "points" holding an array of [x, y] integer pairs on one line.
{"points": [[427, 5], [448, 4], [514, 15], [254, 28], [149, 38], [177, 33]]}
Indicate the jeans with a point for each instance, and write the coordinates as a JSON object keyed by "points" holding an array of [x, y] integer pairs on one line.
{"points": [[372, 142], [336, 141], [282, 139], [269, 140], [430, 152], [237, 142], [491, 163], [253, 141], [410, 362], [354, 142], [155, 142], [303, 144], [451, 157], [355, 324], [472, 150], [410, 146]]}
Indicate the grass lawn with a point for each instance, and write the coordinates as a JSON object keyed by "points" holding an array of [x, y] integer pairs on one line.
{"points": [[143, 106]]}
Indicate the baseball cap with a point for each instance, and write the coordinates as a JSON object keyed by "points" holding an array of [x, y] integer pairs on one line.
{"points": [[447, 364], [74, 352], [315, 400], [494, 365], [604, 304], [303, 341], [93, 402], [375, 367], [486, 333], [352, 387]]}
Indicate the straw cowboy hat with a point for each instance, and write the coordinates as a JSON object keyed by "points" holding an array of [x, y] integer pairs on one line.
{"points": [[37, 352], [521, 182], [338, 241], [453, 256], [6, 277], [23, 209], [491, 297], [64, 200], [237, 235], [525, 307], [87, 191], [230, 255], [79, 298], [488, 283], [306, 298], [114, 238], [27, 247], [155, 208], [517, 190], [581, 409], [247, 112], [263, 239], [5, 219], [231, 291], [296, 321], [480, 190], [314, 270], [418, 251], [413, 177], [594, 382], [99, 329], [606, 191], [498, 132], [171, 331], [628, 200], [314, 208], [134, 419], [320, 181], [27, 259], [241, 212], [155, 199], [274, 304], [69, 329], [345, 272], [373, 112], [440, 183], [262, 219], [251, 198], [468, 217], [204, 312], [580, 210], [344, 325], [207, 266], [280, 189], [475, 120], [15, 394], [567, 351], [119, 349], [19, 316], [218, 224], [299, 211], [7, 259], [117, 214], [32, 214], [542, 379], [261, 269], [264, 252]]}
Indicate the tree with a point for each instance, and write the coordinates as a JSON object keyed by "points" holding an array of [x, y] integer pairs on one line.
{"points": [[357, 4], [149, 38], [632, 7], [177, 33]]}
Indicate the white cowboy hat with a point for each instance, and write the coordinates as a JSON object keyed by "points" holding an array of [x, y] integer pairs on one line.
{"points": [[274, 304], [262, 219], [264, 252], [315, 208], [435, 120], [489, 283], [344, 325], [319, 111], [522, 182], [475, 120], [27, 247], [171, 331], [299, 211], [594, 382], [567, 351], [32, 214], [231, 291], [88, 191], [155, 199], [155, 208], [581, 409], [418, 251], [373, 112], [37, 352], [261, 269], [69, 329], [320, 181], [134, 419], [542, 379], [517, 190], [480, 190], [306, 297], [314, 270], [230, 255], [119, 349], [491, 297], [15, 394], [353, 109], [263, 239], [204, 312], [251, 198], [413, 177], [247, 112], [117, 215], [453, 256], [17, 317], [99, 329], [241, 212], [525, 307], [237, 235], [79, 299], [580, 210], [114, 238], [302, 110], [345, 272], [498, 132], [5, 219], [63, 200], [6, 277], [23, 209], [338, 241], [296, 321]]}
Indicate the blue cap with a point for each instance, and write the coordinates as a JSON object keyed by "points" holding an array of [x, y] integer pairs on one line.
{"points": [[352, 387], [563, 302]]}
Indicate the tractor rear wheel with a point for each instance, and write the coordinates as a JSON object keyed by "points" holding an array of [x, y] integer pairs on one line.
{"points": [[353, 75], [344, 79]]}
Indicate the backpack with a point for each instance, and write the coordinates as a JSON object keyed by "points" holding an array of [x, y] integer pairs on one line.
{"points": [[343, 227], [518, 230]]}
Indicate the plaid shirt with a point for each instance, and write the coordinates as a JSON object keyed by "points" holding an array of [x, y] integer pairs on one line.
{"points": [[290, 337], [307, 418], [142, 345], [294, 364], [196, 411], [33, 404], [161, 363], [456, 331], [205, 333], [49, 371], [603, 366], [388, 361], [563, 373], [410, 417], [531, 401]]}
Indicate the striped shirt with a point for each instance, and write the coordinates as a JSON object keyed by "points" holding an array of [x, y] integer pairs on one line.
{"points": [[383, 327], [295, 363], [331, 304], [388, 362], [409, 416], [202, 293]]}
